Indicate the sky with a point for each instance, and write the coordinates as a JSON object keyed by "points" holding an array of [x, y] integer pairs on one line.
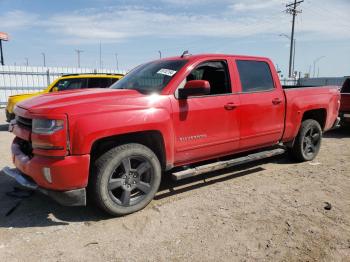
{"points": [[133, 32]]}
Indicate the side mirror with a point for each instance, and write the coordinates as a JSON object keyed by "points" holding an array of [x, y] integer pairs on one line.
{"points": [[194, 88], [55, 89]]}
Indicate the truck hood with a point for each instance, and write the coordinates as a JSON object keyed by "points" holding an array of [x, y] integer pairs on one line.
{"points": [[85, 101]]}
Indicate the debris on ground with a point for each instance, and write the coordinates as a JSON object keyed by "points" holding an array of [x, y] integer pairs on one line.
{"points": [[314, 163], [328, 206], [91, 243]]}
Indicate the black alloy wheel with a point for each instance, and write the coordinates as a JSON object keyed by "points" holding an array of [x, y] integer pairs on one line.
{"points": [[308, 141], [125, 179], [311, 141], [131, 180]]}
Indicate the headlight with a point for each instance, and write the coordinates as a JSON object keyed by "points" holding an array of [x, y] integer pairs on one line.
{"points": [[46, 126]]}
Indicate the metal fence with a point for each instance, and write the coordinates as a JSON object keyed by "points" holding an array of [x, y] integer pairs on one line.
{"points": [[25, 79]]}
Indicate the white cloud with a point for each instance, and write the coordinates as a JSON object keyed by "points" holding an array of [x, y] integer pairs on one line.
{"points": [[121, 23], [17, 20], [253, 5], [233, 20]]}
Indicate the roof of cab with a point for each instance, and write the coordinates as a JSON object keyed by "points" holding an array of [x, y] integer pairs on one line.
{"points": [[200, 56], [92, 75]]}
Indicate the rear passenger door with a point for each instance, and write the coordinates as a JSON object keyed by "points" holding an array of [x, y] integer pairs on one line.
{"points": [[261, 105]]}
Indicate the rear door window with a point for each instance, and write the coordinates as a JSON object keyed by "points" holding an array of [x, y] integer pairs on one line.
{"points": [[70, 84], [99, 82], [255, 76]]}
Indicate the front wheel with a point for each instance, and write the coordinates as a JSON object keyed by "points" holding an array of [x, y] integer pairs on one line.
{"points": [[308, 141], [125, 179]]}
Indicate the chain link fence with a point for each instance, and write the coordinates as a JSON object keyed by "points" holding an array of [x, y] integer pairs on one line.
{"points": [[26, 79]]}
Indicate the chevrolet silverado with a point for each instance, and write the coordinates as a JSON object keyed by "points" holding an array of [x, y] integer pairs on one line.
{"points": [[179, 116]]}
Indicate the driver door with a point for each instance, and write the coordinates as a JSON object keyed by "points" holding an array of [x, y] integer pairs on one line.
{"points": [[206, 126]]}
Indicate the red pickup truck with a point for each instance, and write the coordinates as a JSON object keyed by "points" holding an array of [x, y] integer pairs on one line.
{"points": [[344, 111], [175, 115]]}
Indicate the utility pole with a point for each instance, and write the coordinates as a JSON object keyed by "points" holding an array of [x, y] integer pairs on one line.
{"points": [[100, 55], [116, 60], [292, 9], [27, 61], [293, 69], [78, 54], [44, 58]]}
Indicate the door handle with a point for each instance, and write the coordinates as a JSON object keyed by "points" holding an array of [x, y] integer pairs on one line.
{"points": [[276, 101], [229, 106]]}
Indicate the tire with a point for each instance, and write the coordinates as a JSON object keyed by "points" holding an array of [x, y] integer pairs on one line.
{"points": [[308, 141], [125, 179]]}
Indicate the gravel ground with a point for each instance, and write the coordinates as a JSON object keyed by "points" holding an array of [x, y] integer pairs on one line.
{"points": [[270, 210]]}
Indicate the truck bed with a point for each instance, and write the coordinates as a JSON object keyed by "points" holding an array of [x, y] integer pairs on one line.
{"points": [[302, 99]]}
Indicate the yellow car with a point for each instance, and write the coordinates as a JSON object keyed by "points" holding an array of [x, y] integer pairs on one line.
{"points": [[66, 82]]}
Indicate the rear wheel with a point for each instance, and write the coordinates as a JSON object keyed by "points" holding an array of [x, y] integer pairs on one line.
{"points": [[125, 179], [308, 141]]}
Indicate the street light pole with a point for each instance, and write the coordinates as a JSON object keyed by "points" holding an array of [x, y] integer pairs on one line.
{"points": [[160, 54], [293, 57], [44, 58], [1, 54], [27, 61], [100, 53], [315, 61]]}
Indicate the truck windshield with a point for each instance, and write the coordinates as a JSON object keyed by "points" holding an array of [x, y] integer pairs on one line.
{"points": [[150, 77]]}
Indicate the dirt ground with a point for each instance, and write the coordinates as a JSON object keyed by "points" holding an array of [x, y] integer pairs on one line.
{"points": [[272, 210]]}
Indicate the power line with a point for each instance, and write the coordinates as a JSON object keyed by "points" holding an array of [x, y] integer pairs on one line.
{"points": [[292, 9]]}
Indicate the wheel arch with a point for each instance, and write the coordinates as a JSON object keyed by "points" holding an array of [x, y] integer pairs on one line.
{"points": [[153, 139], [319, 115]]}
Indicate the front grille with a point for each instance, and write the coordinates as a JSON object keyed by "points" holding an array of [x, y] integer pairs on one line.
{"points": [[24, 122]]}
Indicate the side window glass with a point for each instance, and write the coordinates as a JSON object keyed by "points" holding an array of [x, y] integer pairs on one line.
{"points": [[70, 84], [216, 73], [255, 76], [104, 82], [113, 80], [94, 82]]}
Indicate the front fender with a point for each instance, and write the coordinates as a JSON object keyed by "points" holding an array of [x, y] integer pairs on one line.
{"points": [[87, 129]]}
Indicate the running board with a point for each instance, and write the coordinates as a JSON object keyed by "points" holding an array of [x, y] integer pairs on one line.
{"points": [[225, 164]]}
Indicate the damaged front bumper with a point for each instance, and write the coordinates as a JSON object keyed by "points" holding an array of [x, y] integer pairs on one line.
{"points": [[76, 197]]}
